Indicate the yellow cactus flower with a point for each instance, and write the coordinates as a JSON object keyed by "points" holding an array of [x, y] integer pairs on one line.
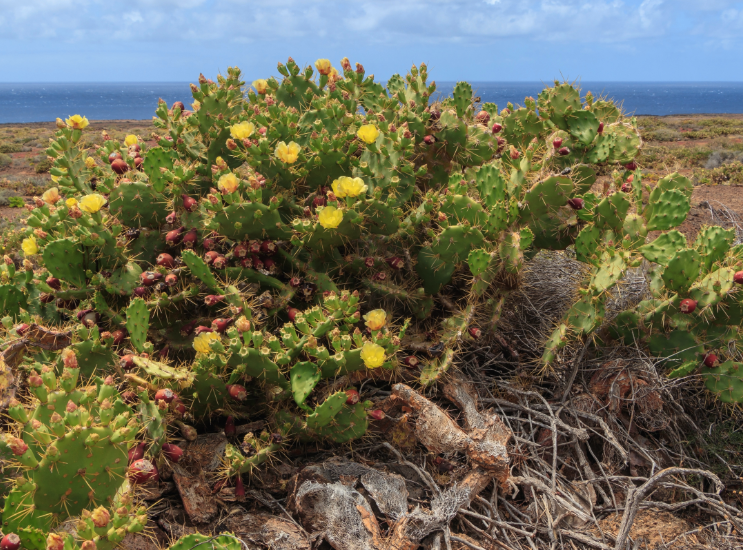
{"points": [[90, 162], [60, 123], [334, 74], [287, 153], [56, 179], [368, 133], [330, 217], [51, 196], [376, 319], [372, 355], [349, 187], [130, 140], [261, 85], [92, 203], [228, 183], [202, 341], [242, 130], [77, 122], [196, 104], [323, 66], [29, 246], [72, 201]]}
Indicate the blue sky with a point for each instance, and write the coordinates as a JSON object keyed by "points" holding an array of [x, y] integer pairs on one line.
{"points": [[504, 40]]}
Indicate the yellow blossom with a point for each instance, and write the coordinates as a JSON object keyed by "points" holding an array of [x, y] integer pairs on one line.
{"points": [[323, 66], [334, 74], [51, 196], [72, 201], [349, 187], [368, 133], [228, 183], [130, 140], [77, 122], [56, 179], [287, 153], [242, 130], [29, 246], [196, 104], [90, 162], [260, 85], [372, 355], [330, 217], [92, 203], [202, 341], [376, 319]]}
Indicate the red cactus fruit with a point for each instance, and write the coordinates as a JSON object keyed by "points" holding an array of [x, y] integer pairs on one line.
{"points": [[220, 325], [22, 328], [379, 277], [172, 452], [475, 332], [209, 243], [129, 397], [179, 408], [165, 394], [150, 278], [220, 262], [257, 262], [497, 128], [200, 329], [54, 283], [119, 166], [377, 414], [127, 362], [171, 279], [137, 452], [179, 105], [738, 278], [165, 260], [11, 541], [246, 263], [576, 203], [239, 489], [190, 239], [688, 305], [254, 247], [411, 361], [429, 140], [395, 262], [269, 264], [483, 117], [319, 201], [352, 397], [557, 143], [140, 292], [711, 361], [631, 166], [171, 218], [626, 187], [294, 282], [601, 128], [292, 313], [237, 392], [563, 151], [213, 299], [229, 427], [138, 162], [17, 446], [142, 471], [514, 153], [269, 248], [210, 256], [240, 250], [119, 335], [113, 156], [174, 236], [187, 329], [189, 203]]}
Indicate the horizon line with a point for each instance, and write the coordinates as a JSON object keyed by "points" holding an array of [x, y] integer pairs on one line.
{"points": [[439, 81]]}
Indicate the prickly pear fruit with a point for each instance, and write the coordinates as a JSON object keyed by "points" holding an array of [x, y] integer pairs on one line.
{"points": [[411, 361], [127, 362], [220, 262], [119, 335], [172, 452], [113, 156], [237, 392], [165, 394], [688, 305], [268, 248], [563, 151], [497, 128], [292, 313], [142, 471], [150, 278], [631, 166], [600, 130], [395, 262], [711, 361], [119, 166], [377, 414], [557, 143], [352, 397], [54, 283], [576, 203], [220, 325], [229, 427], [213, 299], [178, 105], [11, 541], [738, 278], [136, 452], [429, 140], [475, 332], [190, 238], [174, 237], [189, 203], [210, 256], [165, 260]]}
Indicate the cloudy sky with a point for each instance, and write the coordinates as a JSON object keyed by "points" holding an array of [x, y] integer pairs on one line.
{"points": [[505, 40]]}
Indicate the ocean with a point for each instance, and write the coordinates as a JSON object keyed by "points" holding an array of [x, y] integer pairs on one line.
{"points": [[34, 102]]}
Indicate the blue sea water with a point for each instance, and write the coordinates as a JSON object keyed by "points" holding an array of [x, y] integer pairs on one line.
{"points": [[34, 102]]}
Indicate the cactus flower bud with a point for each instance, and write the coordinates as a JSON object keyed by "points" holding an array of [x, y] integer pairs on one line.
{"points": [[100, 517], [237, 392], [17, 446], [11, 541], [54, 542], [88, 545], [142, 471], [711, 361], [514, 153], [172, 452], [69, 359], [576, 203], [242, 324], [352, 397], [688, 305], [35, 381]]}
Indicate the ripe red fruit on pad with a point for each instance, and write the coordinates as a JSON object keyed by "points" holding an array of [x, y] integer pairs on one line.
{"points": [[738, 278], [229, 426], [377, 414], [174, 237], [292, 313], [172, 452], [411, 361], [395, 262], [237, 392], [626, 187], [136, 452], [189, 203], [142, 471], [119, 336], [497, 128], [576, 203], [149, 278], [11, 541], [220, 325], [475, 332], [563, 151], [220, 262], [113, 156], [268, 248], [17, 446], [213, 299], [127, 362], [352, 397], [165, 260], [210, 256], [557, 143], [601, 128], [189, 239], [119, 166], [688, 305], [179, 105], [138, 162], [165, 394], [711, 361], [429, 140], [514, 153], [631, 166], [54, 283]]}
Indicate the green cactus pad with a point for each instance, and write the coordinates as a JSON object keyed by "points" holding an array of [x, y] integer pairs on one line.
{"points": [[684, 370], [348, 424], [583, 177], [725, 381], [586, 314], [326, 411], [199, 269], [11, 300], [664, 248], [675, 181], [612, 211], [92, 357], [491, 185], [583, 126], [380, 218], [124, 280], [454, 243], [251, 362], [138, 323], [138, 205], [304, 377], [155, 159], [65, 260], [682, 270], [460, 207], [587, 245], [713, 244], [250, 220], [668, 210], [625, 142], [478, 261], [625, 328], [610, 271], [713, 288], [206, 542], [677, 346], [146, 247], [462, 96]]}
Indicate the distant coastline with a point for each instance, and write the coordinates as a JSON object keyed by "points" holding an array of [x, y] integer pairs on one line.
{"points": [[44, 102]]}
